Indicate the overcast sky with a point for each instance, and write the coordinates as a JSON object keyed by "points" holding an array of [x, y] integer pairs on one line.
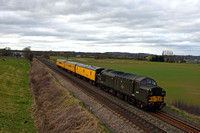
{"points": [[147, 26]]}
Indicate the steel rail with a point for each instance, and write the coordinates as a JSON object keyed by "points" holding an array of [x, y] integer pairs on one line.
{"points": [[175, 122]]}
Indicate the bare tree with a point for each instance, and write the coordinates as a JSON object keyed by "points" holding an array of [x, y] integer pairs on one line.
{"points": [[27, 53], [167, 53]]}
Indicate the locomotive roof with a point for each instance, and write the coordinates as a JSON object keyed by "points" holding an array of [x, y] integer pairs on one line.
{"points": [[120, 74]]}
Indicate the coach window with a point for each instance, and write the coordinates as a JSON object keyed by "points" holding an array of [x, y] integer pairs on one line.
{"points": [[90, 73]]}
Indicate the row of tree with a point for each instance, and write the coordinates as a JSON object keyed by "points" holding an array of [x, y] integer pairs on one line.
{"points": [[26, 52], [156, 58], [6, 51]]}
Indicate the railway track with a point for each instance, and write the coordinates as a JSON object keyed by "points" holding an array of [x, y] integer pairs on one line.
{"points": [[175, 122], [130, 116]]}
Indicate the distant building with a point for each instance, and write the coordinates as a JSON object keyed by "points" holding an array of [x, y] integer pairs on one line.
{"points": [[193, 61], [17, 54], [78, 55]]}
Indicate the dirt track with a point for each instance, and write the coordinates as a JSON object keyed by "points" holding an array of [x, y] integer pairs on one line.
{"points": [[56, 110]]}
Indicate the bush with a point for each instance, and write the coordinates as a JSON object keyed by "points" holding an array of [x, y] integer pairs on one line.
{"points": [[28, 54], [157, 58], [47, 56], [192, 109]]}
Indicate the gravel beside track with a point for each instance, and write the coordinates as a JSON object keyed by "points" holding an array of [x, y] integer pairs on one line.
{"points": [[113, 120]]}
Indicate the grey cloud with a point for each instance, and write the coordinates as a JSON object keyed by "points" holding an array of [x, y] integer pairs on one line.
{"points": [[164, 24]]}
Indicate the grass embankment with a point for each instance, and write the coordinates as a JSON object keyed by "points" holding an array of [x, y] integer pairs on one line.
{"points": [[15, 100], [58, 110]]}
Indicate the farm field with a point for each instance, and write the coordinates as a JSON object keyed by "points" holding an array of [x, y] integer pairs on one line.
{"points": [[15, 100], [181, 81]]}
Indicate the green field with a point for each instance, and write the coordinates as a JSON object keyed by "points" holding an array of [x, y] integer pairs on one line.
{"points": [[15, 100], [181, 81]]}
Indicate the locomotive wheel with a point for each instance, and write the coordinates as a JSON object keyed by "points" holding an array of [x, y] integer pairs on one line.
{"points": [[131, 101], [106, 89], [122, 96], [112, 91], [125, 98]]}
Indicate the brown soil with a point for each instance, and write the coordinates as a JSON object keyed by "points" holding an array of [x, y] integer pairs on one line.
{"points": [[55, 109]]}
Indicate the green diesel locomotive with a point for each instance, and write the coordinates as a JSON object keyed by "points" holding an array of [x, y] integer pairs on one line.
{"points": [[139, 90]]}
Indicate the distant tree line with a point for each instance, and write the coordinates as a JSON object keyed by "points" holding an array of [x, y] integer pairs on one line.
{"points": [[27, 53], [6, 52], [167, 56]]}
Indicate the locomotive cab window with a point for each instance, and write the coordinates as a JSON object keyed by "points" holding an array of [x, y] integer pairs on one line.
{"points": [[148, 82]]}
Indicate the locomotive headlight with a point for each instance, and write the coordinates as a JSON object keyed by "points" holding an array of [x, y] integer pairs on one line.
{"points": [[163, 93], [150, 93]]}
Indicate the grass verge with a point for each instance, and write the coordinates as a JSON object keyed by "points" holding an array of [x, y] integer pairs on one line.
{"points": [[15, 100], [183, 114]]}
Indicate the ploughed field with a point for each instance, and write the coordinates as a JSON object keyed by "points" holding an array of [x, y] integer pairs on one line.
{"points": [[181, 81]]}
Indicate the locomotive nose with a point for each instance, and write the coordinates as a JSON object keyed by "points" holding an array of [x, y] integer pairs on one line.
{"points": [[157, 91]]}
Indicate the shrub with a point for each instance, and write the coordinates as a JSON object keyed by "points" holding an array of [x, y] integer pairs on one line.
{"points": [[192, 109]]}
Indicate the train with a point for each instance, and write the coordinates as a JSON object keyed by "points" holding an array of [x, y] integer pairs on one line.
{"points": [[140, 91]]}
